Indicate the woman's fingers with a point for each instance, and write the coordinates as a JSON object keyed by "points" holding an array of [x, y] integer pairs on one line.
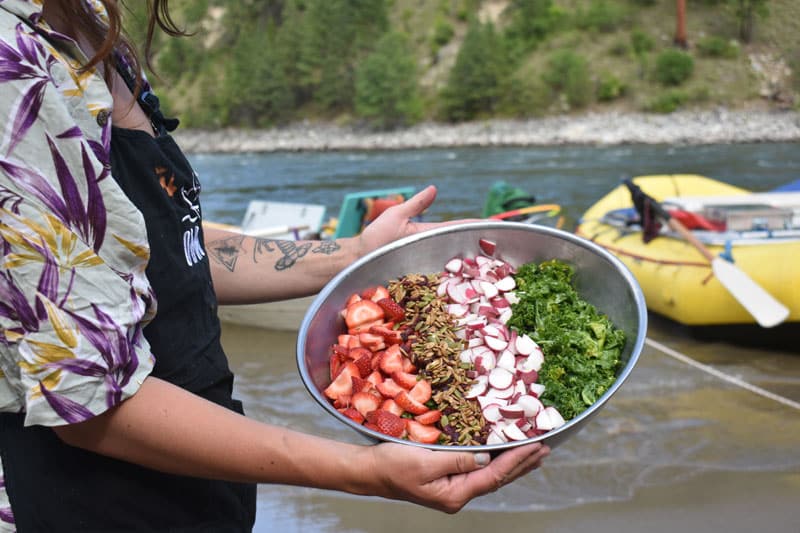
{"points": [[417, 204], [454, 478], [504, 469]]}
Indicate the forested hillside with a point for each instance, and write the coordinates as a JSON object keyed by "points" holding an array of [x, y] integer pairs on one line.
{"points": [[390, 63]]}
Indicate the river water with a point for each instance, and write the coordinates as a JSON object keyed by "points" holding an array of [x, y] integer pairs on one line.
{"points": [[705, 434]]}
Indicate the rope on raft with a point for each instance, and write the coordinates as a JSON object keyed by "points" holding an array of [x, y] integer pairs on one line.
{"points": [[721, 375]]}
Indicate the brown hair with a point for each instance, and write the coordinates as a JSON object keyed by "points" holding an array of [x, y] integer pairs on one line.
{"points": [[109, 36]]}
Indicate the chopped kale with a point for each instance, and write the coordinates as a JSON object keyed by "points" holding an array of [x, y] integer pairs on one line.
{"points": [[581, 346]]}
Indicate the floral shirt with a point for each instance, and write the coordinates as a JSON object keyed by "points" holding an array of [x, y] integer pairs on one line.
{"points": [[74, 298]]}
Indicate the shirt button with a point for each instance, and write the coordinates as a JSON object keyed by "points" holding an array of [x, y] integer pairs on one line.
{"points": [[102, 118]]}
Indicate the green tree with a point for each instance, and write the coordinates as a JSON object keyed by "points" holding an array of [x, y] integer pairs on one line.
{"points": [[746, 13], [340, 34], [568, 73], [530, 21], [475, 84], [386, 84], [256, 86], [673, 67]]}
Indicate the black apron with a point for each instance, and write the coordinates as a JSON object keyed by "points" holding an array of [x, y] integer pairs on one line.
{"points": [[54, 487]]}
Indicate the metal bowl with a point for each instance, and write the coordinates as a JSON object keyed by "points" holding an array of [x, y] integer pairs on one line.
{"points": [[600, 278]]}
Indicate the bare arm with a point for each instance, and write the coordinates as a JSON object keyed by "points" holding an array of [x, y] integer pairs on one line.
{"points": [[251, 269], [166, 428]]}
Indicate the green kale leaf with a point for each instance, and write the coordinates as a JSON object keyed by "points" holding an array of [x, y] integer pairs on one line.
{"points": [[581, 346]]}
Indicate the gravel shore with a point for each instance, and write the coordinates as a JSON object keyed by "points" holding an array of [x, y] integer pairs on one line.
{"points": [[703, 127]]}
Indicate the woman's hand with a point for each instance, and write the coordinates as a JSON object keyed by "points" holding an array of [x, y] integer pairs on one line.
{"points": [[446, 480], [397, 222]]}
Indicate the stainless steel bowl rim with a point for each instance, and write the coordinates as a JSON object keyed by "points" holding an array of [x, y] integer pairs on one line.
{"points": [[468, 226]]}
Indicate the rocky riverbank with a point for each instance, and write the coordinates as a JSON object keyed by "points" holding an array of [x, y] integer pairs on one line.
{"points": [[703, 127]]}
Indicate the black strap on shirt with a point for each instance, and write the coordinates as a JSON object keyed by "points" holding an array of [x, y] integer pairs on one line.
{"points": [[148, 101]]}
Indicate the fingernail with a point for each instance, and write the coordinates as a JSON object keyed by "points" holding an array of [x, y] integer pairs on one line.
{"points": [[482, 459]]}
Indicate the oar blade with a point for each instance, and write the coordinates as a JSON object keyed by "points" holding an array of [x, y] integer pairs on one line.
{"points": [[767, 311]]}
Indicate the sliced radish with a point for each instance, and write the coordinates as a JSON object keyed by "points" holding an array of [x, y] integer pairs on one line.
{"points": [[495, 438], [525, 345], [488, 247], [530, 405], [500, 378], [537, 389], [466, 356], [474, 342], [506, 360], [495, 343], [506, 393], [529, 377], [491, 330], [513, 432], [487, 310], [512, 411], [455, 291], [499, 302], [506, 284], [489, 289], [477, 388], [485, 401], [454, 265], [457, 310], [485, 362], [549, 418], [492, 413], [535, 360]]}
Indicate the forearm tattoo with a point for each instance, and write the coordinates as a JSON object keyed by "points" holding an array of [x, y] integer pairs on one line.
{"points": [[228, 251]]}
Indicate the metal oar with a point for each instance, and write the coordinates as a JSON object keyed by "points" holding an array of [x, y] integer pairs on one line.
{"points": [[767, 311]]}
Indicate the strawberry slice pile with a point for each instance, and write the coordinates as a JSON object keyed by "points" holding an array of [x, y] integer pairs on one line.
{"points": [[373, 381]]}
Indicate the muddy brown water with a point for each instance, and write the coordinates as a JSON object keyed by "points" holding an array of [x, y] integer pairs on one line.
{"points": [[676, 449]]}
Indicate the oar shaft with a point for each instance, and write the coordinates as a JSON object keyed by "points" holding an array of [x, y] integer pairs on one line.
{"points": [[676, 225]]}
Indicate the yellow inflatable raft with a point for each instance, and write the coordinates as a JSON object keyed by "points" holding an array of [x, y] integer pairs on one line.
{"points": [[760, 231]]}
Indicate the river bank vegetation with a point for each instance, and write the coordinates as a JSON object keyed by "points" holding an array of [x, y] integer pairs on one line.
{"points": [[387, 64]]}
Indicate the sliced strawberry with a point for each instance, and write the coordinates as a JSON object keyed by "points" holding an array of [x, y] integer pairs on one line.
{"points": [[388, 423], [390, 336], [372, 342], [429, 418], [389, 388], [392, 360], [421, 391], [342, 401], [344, 339], [364, 364], [405, 380], [352, 299], [371, 426], [408, 366], [361, 312], [375, 378], [418, 432], [376, 293], [368, 293], [360, 385], [343, 383], [365, 402], [391, 406], [391, 309], [336, 364], [338, 349], [364, 328], [410, 404], [376, 360], [356, 353], [352, 414]]}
